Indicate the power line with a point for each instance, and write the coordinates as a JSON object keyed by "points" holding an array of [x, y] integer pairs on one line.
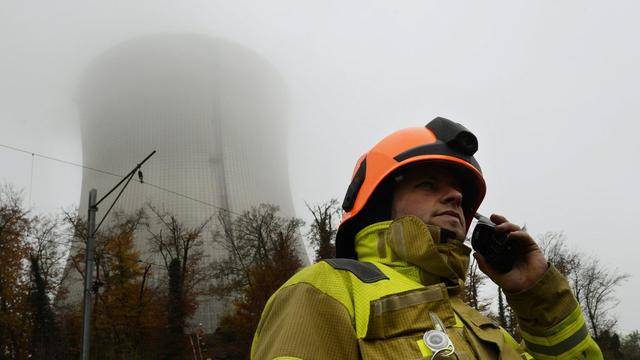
{"points": [[60, 160], [119, 176], [33, 159]]}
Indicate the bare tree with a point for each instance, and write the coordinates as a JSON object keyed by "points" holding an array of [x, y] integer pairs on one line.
{"points": [[323, 230], [172, 239], [474, 282], [260, 257], [598, 295], [182, 251], [555, 250], [48, 243], [249, 241], [593, 284]]}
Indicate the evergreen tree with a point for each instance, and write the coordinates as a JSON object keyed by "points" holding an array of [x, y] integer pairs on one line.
{"points": [[502, 317], [175, 345], [44, 334]]}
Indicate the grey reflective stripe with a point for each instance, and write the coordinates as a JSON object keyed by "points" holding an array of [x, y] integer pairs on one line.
{"points": [[561, 347], [366, 272], [400, 301]]}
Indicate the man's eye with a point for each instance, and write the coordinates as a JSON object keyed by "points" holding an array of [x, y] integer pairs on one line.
{"points": [[426, 185]]}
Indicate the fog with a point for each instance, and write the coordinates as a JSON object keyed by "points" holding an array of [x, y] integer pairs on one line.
{"points": [[549, 88]]}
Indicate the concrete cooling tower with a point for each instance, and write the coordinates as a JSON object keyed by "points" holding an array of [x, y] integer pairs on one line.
{"points": [[214, 111]]}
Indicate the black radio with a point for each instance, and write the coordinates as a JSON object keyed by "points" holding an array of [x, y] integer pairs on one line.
{"points": [[495, 247]]}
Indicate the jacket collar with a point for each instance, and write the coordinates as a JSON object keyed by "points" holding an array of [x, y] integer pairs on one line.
{"points": [[414, 249]]}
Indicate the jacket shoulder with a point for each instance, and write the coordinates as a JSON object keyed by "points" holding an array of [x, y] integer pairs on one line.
{"points": [[325, 279], [337, 278], [364, 271], [333, 272]]}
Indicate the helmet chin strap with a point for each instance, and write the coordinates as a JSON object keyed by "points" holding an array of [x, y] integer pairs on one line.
{"points": [[446, 235]]}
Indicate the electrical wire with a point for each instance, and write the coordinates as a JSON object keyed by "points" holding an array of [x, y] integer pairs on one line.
{"points": [[33, 159], [33, 154], [77, 247]]}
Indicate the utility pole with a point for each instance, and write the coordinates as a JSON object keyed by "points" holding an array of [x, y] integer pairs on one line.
{"points": [[91, 250], [88, 274]]}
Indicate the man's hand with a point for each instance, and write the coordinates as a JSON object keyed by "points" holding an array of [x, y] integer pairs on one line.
{"points": [[530, 263]]}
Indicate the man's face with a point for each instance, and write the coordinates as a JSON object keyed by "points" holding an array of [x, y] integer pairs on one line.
{"points": [[433, 194]]}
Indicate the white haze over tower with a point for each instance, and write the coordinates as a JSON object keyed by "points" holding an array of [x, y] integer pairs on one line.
{"points": [[549, 88], [215, 113]]}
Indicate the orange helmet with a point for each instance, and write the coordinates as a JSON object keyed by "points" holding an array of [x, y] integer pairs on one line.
{"points": [[368, 198]]}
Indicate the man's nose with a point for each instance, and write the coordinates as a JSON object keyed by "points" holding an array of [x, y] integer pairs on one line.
{"points": [[452, 195]]}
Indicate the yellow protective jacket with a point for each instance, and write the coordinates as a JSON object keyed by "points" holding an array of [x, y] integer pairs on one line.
{"points": [[378, 308]]}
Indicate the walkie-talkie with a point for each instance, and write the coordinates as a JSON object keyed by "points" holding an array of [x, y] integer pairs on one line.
{"points": [[495, 247]]}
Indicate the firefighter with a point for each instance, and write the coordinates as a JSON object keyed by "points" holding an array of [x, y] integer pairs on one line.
{"points": [[394, 291]]}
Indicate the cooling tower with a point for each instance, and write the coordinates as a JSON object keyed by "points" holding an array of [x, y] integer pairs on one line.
{"points": [[214, 111]]}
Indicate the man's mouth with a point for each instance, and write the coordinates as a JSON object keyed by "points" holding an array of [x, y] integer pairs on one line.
{"points": [[452, 214]]}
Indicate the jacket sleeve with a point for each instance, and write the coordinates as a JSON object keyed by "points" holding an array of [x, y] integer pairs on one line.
{"points": [[551, 320], [302, 322]]}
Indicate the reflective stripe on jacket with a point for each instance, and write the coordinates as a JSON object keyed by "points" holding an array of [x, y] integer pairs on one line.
{"points": [[379, 309]]}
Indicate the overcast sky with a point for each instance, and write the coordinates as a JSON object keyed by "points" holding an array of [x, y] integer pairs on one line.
{"points": [[550, 88]]}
